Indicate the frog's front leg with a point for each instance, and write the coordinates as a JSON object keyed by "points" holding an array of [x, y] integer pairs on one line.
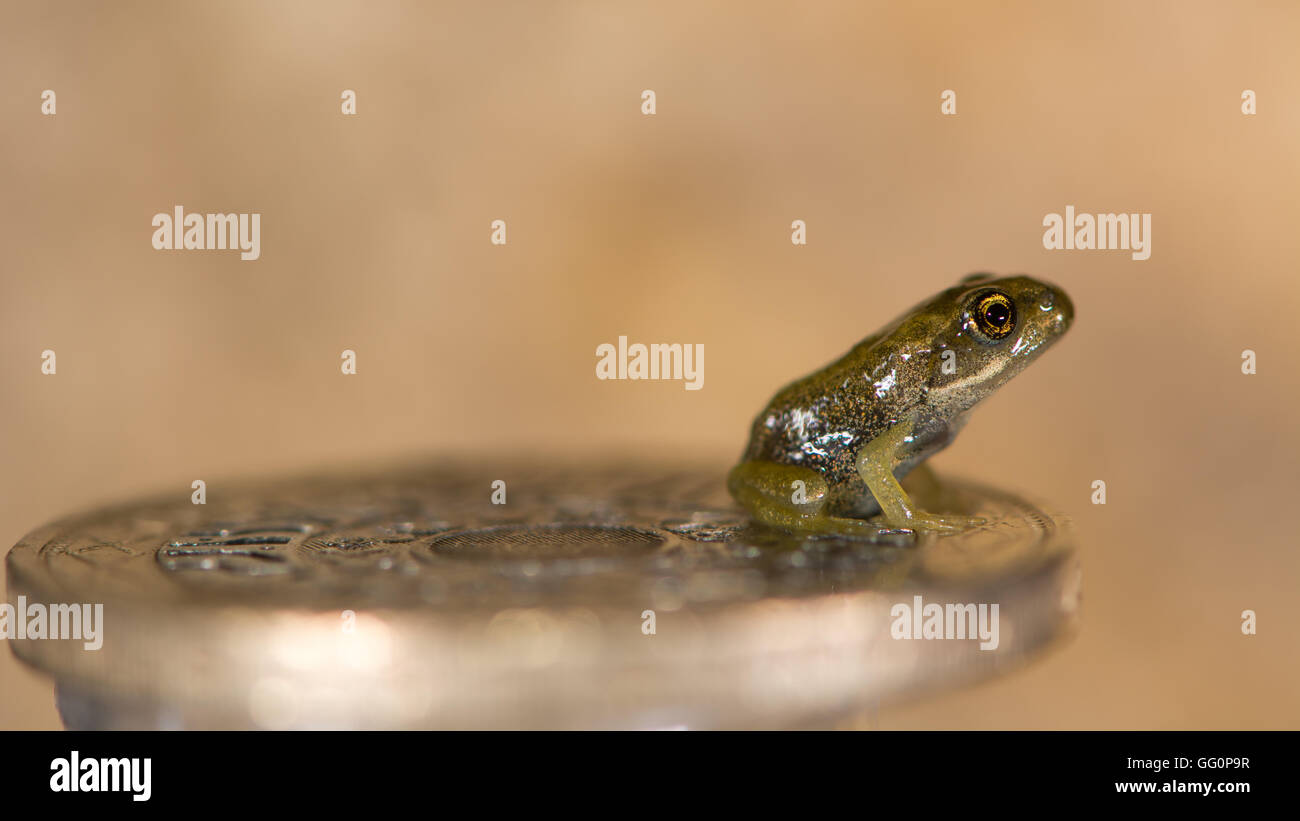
{"points": [[790, 498], [875, 462]]}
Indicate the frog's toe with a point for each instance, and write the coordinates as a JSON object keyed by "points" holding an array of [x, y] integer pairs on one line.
{"points": [[946, 524]]}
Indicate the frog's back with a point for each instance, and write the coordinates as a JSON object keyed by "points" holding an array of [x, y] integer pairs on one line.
{"points": [[821, 420]]}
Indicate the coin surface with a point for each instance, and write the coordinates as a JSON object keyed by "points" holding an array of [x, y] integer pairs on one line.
{"points": [[623, 594]]}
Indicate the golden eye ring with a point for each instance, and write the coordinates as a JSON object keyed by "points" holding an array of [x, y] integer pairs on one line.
{"points": [[994, 314]]}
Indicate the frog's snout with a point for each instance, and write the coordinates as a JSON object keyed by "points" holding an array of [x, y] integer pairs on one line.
{"points": [[1057, 307]]}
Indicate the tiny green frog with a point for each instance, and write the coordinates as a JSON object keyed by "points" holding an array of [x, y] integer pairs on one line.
{"points": [[828, 450]]}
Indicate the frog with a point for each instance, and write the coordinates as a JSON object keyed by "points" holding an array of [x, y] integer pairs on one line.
{"points": [[826, 454]]}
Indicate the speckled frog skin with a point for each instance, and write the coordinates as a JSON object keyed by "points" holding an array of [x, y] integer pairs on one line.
{"points": [[849, 431]]}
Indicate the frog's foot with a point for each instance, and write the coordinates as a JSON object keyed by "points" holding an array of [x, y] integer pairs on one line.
{"points": [[825, 525], [791, 498], [941, 524], [875, 464]]}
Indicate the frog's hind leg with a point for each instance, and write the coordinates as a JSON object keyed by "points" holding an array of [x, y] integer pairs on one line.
{"points": [[790, 498]]}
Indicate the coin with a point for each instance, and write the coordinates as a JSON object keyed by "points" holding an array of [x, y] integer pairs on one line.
{"points": [[620, 594]]}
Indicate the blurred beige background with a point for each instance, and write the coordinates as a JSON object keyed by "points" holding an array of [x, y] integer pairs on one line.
{"points": [[676, 228]]}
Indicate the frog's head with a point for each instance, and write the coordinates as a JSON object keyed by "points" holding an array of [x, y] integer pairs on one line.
{"points": [[994, 329]]}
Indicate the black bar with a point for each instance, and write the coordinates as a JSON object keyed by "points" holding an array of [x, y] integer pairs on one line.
{"points": [[433, 774]]}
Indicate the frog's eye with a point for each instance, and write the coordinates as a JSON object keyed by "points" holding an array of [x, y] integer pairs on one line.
{"points": [[994, 314]]}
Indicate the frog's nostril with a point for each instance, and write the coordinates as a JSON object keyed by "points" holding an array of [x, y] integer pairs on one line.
{"points": [[1057, 306], [1062, 308]]}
